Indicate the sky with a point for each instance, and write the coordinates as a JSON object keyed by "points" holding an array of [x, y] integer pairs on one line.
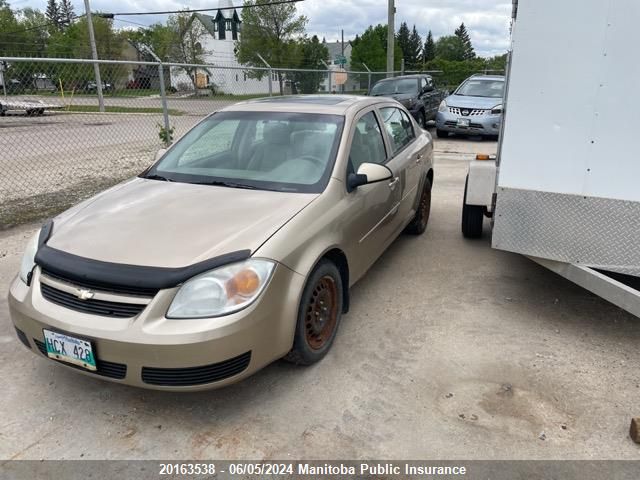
{"points": [[486, 20]]}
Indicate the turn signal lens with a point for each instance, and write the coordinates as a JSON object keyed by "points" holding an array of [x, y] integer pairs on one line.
{"points": [[482, 156], [244, 283]]}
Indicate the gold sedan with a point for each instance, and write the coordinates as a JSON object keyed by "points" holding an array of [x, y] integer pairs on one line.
{"points": [[235, 249]]}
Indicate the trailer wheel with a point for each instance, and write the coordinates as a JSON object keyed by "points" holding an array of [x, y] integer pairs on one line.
{"points": [[472, 217]]}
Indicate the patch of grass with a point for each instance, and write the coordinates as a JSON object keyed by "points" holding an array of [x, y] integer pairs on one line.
{"points": [[117, 109]]}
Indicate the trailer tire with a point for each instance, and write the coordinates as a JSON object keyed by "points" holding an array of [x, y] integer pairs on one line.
{"points": [[472, 216]]}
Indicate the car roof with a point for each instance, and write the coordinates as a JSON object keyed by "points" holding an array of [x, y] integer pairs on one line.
{"points": [[327, 104], [487, 77], [403, 77]]}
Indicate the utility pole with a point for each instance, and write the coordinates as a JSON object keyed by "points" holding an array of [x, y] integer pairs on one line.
{"points": [[94, 54], [390, 37], [342, 56]]}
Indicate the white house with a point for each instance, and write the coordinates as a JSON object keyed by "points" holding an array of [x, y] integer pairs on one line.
{"points": [[222, 31]]}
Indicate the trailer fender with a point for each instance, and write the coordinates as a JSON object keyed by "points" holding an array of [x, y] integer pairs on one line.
{"points": [[482, 183]]}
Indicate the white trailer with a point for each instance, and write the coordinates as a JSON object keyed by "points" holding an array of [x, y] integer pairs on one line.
{"points": [[564, 188]]}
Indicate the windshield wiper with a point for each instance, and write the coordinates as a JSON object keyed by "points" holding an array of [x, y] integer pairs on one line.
{"points": [[158, 177], [220, 183]]}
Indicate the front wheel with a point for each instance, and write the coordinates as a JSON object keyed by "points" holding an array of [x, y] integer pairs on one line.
{"points": [[442, 133], [422, 120], [419, 223], [319, 315], [472, 217]]}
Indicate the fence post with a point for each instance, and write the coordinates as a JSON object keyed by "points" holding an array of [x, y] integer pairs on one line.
{"points": [[270, 74], [369, 79], [402, 66], [165, 109]]}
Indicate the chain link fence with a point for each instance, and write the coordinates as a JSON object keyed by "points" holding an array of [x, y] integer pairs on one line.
{"points": [[63, 137]]}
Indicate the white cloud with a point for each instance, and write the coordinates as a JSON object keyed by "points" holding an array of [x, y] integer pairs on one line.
{"points": [[486, 20]]}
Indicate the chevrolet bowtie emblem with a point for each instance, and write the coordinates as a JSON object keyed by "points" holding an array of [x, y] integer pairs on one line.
{"points": [[83, 294]]}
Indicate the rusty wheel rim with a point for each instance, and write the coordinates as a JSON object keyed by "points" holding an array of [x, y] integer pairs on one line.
{"points": [[425, 207], [321, 313]]}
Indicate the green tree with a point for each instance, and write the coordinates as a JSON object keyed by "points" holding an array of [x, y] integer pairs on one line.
{"points": [[33, 37], [188, 35], [270, 31], [402, 39], [10, 30], [67, 15], [429, 51], [161, 39], [312, 53], [413, 54], [371, 49], [53, 14], [463, 35], [450, 48]]}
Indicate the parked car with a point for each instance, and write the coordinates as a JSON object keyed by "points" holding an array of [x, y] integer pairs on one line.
{"points": [[92, 87], [13, 86], [236, 248], [418, 93], [474, 108]]}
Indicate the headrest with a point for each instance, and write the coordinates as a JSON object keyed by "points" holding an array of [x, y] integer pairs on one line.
{"points": [[276, 133]]}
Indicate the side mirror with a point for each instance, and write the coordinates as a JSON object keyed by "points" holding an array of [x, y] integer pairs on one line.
{"points": [[368, 173], [159, 154]]}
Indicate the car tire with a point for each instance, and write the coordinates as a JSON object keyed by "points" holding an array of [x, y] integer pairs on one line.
{"points": [[422, 120], [442, 133], [319, 315], [419, 222], [472, 216]]}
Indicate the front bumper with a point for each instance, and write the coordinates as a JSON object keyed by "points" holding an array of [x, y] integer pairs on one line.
{"points": [[485, 124], [151, 351]]}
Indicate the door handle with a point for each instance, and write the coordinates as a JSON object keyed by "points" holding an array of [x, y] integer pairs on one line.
{"points": [[392, 185]]}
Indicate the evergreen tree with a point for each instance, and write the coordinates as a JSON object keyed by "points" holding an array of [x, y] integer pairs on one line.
{"points": [[402, 38], [463, 35], [429, 51], [66, 12], [413, 56], [53, 13]]}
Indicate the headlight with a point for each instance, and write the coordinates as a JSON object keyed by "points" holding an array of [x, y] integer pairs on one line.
{"points": [[497, 110], [443, 106], [28, 259], [222, 291]]}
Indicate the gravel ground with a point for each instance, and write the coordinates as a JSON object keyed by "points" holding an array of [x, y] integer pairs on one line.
{"points": [[451, 350]]}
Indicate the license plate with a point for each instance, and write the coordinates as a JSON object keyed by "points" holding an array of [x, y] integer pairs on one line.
{"points": [[70, 349], [463, 122]]}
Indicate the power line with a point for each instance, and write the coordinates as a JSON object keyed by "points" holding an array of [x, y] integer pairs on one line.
{"points": [[168, 12]]}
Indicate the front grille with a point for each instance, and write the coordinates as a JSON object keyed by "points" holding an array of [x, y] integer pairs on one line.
{"points": [[472, 112], [22, 337], [104, 368], [138, 291], [94, 307], [183, 377], [477, 126]]}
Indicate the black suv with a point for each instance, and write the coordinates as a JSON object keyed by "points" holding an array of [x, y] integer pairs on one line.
{"points": [[416, 92]]}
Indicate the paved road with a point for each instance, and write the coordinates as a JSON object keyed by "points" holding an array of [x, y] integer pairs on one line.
{"points": [[451, 350]]}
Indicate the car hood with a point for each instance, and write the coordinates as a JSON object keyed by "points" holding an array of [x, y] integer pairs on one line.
{"points": [[168, 224], [463, 101]]}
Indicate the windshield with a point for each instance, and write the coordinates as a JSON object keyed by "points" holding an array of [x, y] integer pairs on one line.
{"points": [[263, 150], [482, 88], [392, 87]]}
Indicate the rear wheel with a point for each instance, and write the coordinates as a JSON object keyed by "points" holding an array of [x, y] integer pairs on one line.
{"points": [[319, 315], [419, 223], [442, 133], [472, 217]]}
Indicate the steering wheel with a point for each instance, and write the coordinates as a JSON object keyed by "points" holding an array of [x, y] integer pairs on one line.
{"points": [[313, 159]]}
